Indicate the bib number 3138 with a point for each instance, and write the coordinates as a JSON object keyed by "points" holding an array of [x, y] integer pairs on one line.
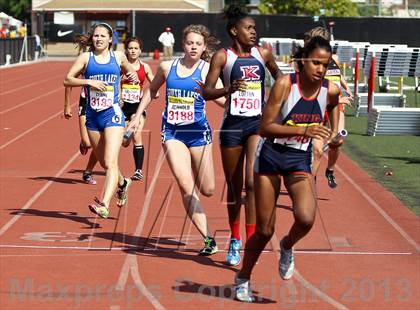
{"points": [[101, 100]]}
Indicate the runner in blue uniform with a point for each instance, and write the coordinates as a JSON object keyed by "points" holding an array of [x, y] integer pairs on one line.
{"points": [[104, 118], [186, 133], [242, 69], [292, 118]]}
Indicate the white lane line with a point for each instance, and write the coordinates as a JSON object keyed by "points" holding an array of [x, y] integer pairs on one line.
{"points": [[31, 84], [29, 203], [127, 248], [307, 284], [31, 100], [130, 265], [380, 210], [32, 128]]}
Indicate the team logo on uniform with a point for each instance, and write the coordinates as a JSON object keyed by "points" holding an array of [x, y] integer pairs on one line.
{"points": [[250, 72]]}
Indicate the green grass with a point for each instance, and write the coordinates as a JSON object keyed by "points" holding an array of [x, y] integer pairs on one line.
{"points": [[380, 154]]}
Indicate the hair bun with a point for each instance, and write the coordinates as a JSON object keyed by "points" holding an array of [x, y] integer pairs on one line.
{"points": [[234, 11]]}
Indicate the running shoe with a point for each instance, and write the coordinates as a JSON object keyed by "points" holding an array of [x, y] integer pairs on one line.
{"points": [[243, 291], [137, 176], [83, 148], [122, 192], [331, 179], [88, 178], [210, 247], [233, 257], [99, 208], [286, 262]]}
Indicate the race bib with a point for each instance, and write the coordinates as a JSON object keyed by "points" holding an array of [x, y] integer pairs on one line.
{"points": [[246, 103], [131, 93], [180, 110], [101, 100], [295, 142]]}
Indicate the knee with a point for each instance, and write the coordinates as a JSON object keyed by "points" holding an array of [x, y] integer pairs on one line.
{"points": [[264, 232], [109, 164], [207, 191], [305, 221]]}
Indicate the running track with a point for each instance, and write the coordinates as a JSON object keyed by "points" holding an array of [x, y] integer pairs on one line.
{"points": [[363, 252]]}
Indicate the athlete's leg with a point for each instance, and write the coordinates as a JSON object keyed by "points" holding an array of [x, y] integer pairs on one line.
{"points": [[233, 160], [202, 164], [106, 146], [333, 153], [138, 148], [179, 159], [250, 217], [267, 190], [301, 189], [84, 137]]}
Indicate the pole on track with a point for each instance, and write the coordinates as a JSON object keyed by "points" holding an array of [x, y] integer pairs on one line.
{"points": [[371, 83]]}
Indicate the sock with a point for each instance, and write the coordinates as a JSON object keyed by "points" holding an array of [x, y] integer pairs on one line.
{"points": [[250, 230], [235, 228], [329, 171], [123, 185], [138, 154]]}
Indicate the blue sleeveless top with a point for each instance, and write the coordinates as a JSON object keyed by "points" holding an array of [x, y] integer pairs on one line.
{"points": [[109, 72], [183, 104]]}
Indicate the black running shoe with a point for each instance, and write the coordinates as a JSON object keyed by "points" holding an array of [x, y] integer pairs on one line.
{"points": [[210, 247], [331, 179]]}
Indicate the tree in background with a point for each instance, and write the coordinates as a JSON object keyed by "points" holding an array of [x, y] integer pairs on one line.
{"points": [[18, 9], [309, 7]]}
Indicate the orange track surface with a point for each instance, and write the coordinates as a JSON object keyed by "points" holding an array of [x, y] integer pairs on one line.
{"points": [[363, 252]]}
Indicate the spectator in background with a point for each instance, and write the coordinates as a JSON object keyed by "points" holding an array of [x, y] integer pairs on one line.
{"points": [[4, 32], [167, 39], [22, 30], [38, 47]]}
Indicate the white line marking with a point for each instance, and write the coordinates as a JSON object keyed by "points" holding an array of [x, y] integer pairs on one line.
{"points": [[130, 264], [29, 203], [127, 248], [32, 128], [380, 210], [306, 284], [31, 100]]}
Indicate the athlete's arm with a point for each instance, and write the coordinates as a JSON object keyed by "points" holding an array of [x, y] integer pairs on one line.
{"points": [[269, 125], [126, 67], [67, 106], [270, 63], [79, 65], [150, 76], [148, 94], [204, 73], [210, 92]]}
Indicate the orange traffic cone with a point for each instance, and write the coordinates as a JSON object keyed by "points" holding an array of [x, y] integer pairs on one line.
{"points": [[156, 54]]}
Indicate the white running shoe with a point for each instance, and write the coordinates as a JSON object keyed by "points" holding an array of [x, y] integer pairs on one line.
{"points": [[243, 291], [286, 262]]}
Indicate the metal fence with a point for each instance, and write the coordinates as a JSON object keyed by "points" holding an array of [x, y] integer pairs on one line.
{"points": [[13, 47]]}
